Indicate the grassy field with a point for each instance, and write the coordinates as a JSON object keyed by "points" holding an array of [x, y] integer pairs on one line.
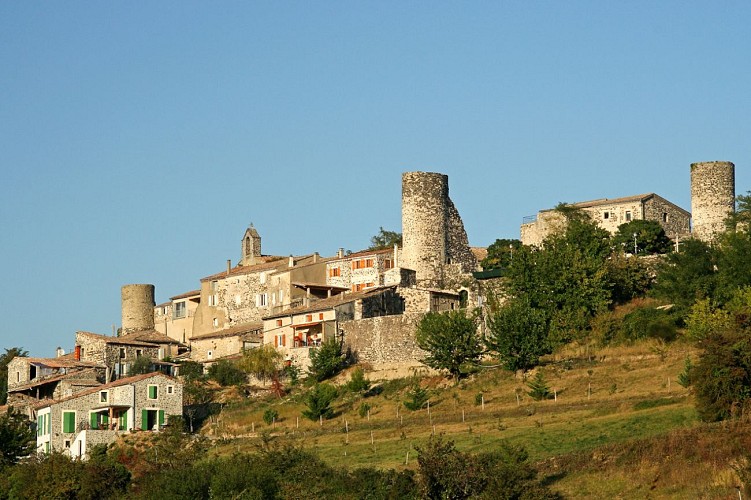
{"points": [[588, 440]]}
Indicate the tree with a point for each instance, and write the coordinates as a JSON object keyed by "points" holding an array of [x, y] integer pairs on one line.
{"points": [[687, 275], [385, 239], [326, 360], [538, 387], [16, 438], [722, 376], [319, 401], [451, 340], [518, 334], [141, 365], [264, 362], [227, 373], [4, 360], [500, 254], [650, 238]]}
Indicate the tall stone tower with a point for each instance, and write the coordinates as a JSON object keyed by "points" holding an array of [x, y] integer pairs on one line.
{"points": [[712, 197], [137, 308], [434, 241], [251, 247]]}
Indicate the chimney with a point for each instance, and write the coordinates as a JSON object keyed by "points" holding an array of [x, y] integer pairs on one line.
{"points": [[229, 266], [340, 253], [315, 257], [59, 352], [291, 261], [77, 354]]}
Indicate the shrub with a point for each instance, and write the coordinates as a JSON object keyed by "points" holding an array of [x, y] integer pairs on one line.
{"points": [[417, 397], [270, 415], [363, 410], [227, 373], [538, 387], [357, 382]]}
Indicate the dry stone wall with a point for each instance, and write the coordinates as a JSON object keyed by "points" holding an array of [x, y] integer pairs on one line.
{"points": [[384, 340]]}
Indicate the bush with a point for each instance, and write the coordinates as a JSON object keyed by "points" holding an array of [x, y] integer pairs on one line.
{"points": [[363, 410], [270, 416], [538, 387], [191, 370], [357, 382], [417, 397], [227, 373], [326, 360]]}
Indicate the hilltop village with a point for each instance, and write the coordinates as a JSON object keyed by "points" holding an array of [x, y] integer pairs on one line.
{"points": [[369, 300]]}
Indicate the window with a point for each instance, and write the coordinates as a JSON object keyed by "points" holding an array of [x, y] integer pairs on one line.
{"points": [[361, 286], [170, 389], [212, 299], [606, 215], [18, 376], [179, 310], [122, 353], [281, 296], [278, 322], [664, 216], [261, 300], [69, 422], [139, 353], [388, 264], [628, 216], [308, 317], [104, 396], [212, 286], [43, 425], [362, 263], [320, 316], [262, 278], [215, 322], [67, 444], [280, 340], [153, 392], [335, 272], [210, 354]]}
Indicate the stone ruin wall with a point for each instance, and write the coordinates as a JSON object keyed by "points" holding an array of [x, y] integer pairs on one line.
{"points": [[712, 197], [384, 340], [137, 308], [678, 223]]}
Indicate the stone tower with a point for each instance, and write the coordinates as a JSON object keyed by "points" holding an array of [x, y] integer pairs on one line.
{"points": [[137, 308], [251, 247], [712, 197], [434, 241]]}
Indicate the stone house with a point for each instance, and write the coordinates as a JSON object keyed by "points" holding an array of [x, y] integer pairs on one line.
{"points": [[175, 318], [611, 213], [228, 342], [295, 331], [117, 354], [31, 380], [98, 415]]}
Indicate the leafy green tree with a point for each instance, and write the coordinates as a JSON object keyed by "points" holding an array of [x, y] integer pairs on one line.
{"points": [[650, 238], [326, 360], [4, 360], [141, 365], [16, 438], [518, 334], [385, 239], [733, 264], [722, 376], [451, 340], [319, 400], [704, 320], [630, 278], [357, 381], [264, 362], [687, 275], [191, 370], [500, 254], [740, 219], [227, 373], [538, 387]]}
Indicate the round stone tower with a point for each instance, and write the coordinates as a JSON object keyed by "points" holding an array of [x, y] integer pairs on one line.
{"points": [[425, 203], [712, 197], [137, 308]]}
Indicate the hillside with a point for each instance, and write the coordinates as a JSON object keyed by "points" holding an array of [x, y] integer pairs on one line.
{"points": [[589, 439]]}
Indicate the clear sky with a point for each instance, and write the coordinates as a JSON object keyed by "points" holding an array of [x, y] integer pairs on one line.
{"points": [[139, 139]]}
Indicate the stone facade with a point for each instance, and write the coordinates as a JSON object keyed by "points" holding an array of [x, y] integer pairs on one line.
{"points": [[72, 425], [362, 270], [175, 318], [115, 353], [609, 214], [228, 342], [712, 197]]}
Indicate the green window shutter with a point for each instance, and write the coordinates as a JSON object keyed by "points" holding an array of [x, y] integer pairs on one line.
{"points": [[94, 421], [105, 420], [161, 417], [124, 421], [69, 422], [48, 423], [152, 392], [144, 420]]}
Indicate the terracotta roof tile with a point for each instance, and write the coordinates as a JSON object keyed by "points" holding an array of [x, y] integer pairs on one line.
{"points": [[331, 302], [192, 293], [232, 331]]}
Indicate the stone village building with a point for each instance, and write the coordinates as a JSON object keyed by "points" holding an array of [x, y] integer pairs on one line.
{"points": [[74, 424]]}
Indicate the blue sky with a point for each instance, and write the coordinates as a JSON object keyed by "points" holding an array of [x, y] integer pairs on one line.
{"points": [[139, 139]]}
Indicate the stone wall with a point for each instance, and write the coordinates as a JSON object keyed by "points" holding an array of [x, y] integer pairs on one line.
{"points": [[208, 349], [383, 340], [712, 197], [675, 221]]}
